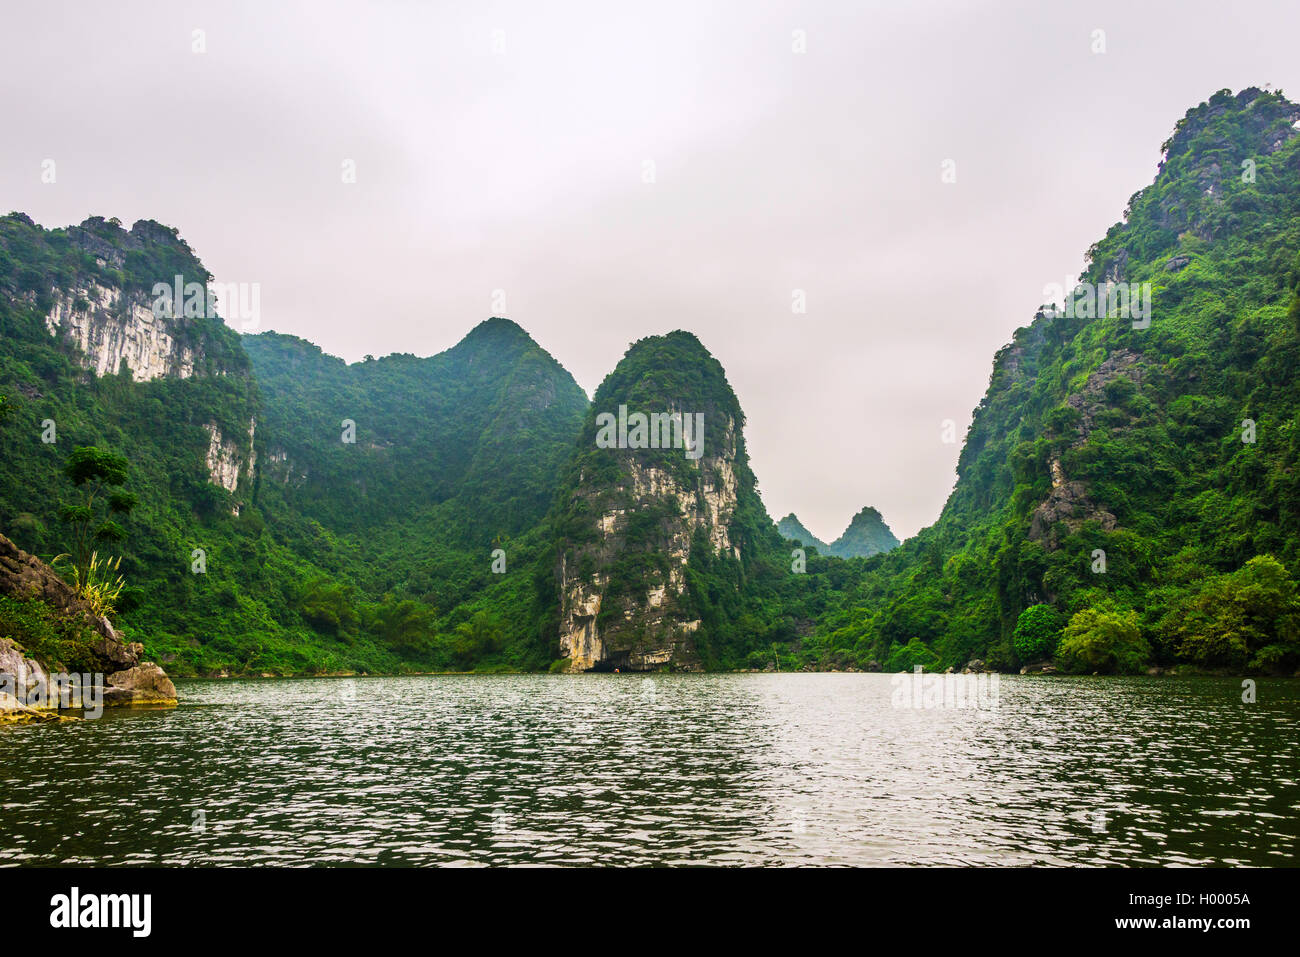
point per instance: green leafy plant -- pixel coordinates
(1037, 631)
(98, 583)
(1106, 639)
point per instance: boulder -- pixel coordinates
(143, 684)
(20, 674)
(1039, 668)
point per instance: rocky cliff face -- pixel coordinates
(110, 327)
(110, 317)
(226, 460)
(1069, 500)
(635, 518)
(650, 518)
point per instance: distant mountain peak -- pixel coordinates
(790, 527)
(866, 535)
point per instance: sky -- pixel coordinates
(601, 172)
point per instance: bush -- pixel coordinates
(1105, 639)
(1249, 618)
(907, 657)
(1037, 631)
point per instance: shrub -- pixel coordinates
(1037, 631)
(1106, 638)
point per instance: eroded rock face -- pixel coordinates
(26, 674)
(226, 461)
(110, 327)
(641, 531)
(26, 577)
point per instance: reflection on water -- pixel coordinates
(628, 769)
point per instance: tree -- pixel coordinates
(407, 626)
(1249, 618)
(100, 475)
(1106, 638)
(1037, 631)
(907, 657)
(474, 639)
(327, 607)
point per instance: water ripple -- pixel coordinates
(629, 770)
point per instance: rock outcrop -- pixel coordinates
(112, 320)
(128, 681)
(638, 513)
(111, 328)
(1068, 501)
(226, 460)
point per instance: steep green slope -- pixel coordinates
(98, 278)
(866, 535)
(1125, 474)
(261, 542)
(482, 427)
(455, 456)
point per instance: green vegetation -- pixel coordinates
(60, 642)
(335, 557)
(1249, 618)
(866, 535)
(1128, 495)
(1037, 630)
(1107, 639)
(1145, 541)
(99, 475)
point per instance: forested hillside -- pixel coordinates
(259, 540)
(1128, 495)
(1129, 490)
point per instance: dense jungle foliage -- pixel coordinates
(1180, 543)
(1128, 494)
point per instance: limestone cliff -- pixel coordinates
(227, 460)
(107, 311)
(1069, 501)
(111, 328)
(648, 501)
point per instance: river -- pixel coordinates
(726, 769)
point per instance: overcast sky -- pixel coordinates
(506, 146)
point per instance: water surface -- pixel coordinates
(693, 769)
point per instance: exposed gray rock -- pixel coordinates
(144, 684)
